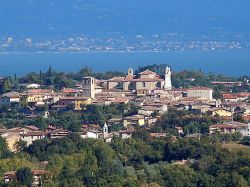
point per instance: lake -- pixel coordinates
(234, 63)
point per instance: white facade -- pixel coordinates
(33, 86)
(203, 93)
(168, 83)
(245, 131)
(105, 130)
(29, 138)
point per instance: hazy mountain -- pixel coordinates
(50, 18)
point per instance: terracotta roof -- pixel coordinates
(120, 100)
(33, 133)
(69, 90)
(40, 91)
(39, 172)
(147, 79)
(147, 72)
(228, 126)
(246, 117)
(155, 135)
(32, 127)
(74, 98)
(229, 96)
(129, 77)
(117, 79)
(10, 175)
(243, 94)
(12, 95)
(127, 131)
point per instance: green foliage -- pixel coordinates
(24, 176)
(245, 141)
(4, 151)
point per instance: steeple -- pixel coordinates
(105, 130)
(168, 83)
(130, 71)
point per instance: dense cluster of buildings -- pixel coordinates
(152, 93)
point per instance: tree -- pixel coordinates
(4, 151)
(25, 176)
(175, 176)
(20, 145)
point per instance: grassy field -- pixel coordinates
(234, 147)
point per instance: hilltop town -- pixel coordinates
(140, 103)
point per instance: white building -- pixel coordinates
(168, 83)
(200, 92)
(30, 137)
(244, 130)
(8, 98)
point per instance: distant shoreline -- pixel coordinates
(99, 52)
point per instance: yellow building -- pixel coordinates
(77, 101)
(222, 113)
(36, 96)
(134, 120)
(81, 102)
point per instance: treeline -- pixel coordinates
(71, 120)
(134, 162)
(58, 80)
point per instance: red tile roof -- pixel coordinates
(69, 90)
(147, 72)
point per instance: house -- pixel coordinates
(199, 107)
(133, 120)
(227, 84)
(200, 92)
(9, 98)
(149, 108)
(247, 109)
(115, 121)
(30, 86)
(222, 112)
(36, 97)
(231, 127)
(58, 133)
(146, 80)
(30, 137)
(37, 177)
(94, 134)
(78, 102)
(158, 135)
(228, 97)
(70, 92)
(124, 134)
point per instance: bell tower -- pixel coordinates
(131, 72)
(89, 87)
(168, 83)
(105, 130)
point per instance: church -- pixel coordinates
(146, 80)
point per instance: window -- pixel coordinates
(144, 84)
